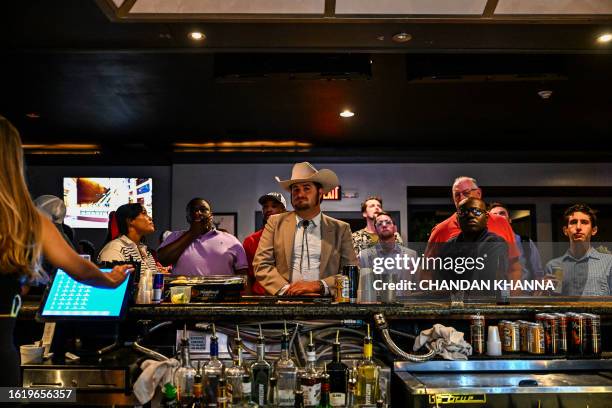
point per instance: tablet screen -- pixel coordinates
(69, 298)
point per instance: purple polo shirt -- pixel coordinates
(214, 253)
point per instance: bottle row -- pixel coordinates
(281, 384)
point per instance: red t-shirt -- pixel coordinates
(496, 224)
(250, 247)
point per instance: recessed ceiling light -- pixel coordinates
(401, 37)
(604, 38)
(197, 36)
(347, 113)
(545, 94)
(33, 115)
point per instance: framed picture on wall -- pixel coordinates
(227, 222)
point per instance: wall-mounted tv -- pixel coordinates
(89, 200)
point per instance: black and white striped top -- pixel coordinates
(124, 249)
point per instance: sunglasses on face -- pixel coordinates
(462, 212)
(384, 222)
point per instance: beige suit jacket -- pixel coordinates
(273, 259)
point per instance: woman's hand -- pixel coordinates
(118, 274)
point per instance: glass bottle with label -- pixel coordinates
(325, 400)
(222, 401)
(285, 370)
(260, 372)
(367, 375)
(338, 376)
(213, 372)
(184, 376)
(197, 387)
(235, 374)
(311, 377)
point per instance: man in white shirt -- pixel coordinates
(302, 251)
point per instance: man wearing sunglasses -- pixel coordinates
(475, 241)
(388, 247)
(466, 187)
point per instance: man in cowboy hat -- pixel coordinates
(301, 251)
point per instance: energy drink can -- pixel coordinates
(551, 332)
(512, 338)
(562, 319)
(593, 334)
(158, 287)
(577, 330)
(477, 333)
(352, 272)
(535, 339)
(523, 330)
(342, 289)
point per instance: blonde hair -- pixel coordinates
(20, 223)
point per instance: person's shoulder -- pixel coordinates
(116, 243)
(409, 252)
(226, 236)
(253, 237)
(493, 237)
(335, 222)
(358, 233)
(442, 225)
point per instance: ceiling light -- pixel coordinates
(401, 37)
(545, 94)
(604, 38)
(33, 115)
(197, 36)
(347, 113)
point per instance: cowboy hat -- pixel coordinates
(304, 172)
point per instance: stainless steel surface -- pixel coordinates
(504, 365)
(111, 380)
(483, 383)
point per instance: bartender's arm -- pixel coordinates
(169, 254)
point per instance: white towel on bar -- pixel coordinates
(154, 374)
(446, 341)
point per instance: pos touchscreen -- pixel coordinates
(67, 299)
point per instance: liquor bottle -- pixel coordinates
(272, 393)
(350, 392)
(197, 387)
(213, 372)
(367, 375)
(222, 401)
(169, 396)
(260, 372)
(285, 370)
(311, 378)
(246, 390)
(299, 399)
(325, 399)
(338, 376)
(184, 376)
(235, 374)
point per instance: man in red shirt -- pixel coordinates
(465, 187)
(271, 204)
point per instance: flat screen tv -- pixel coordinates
(89, 200)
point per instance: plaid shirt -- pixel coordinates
(590, 275)
(363, 239)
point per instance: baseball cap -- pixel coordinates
(278, 197)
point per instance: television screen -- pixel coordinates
(89, 200)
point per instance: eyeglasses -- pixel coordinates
(384, 222)
(465, 193)
(462, 212)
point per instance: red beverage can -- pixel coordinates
(577, 330)
(562, 348)
(158, 287)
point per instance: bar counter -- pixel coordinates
(421, 310)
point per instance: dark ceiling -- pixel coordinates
(138, 87)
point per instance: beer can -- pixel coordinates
(342, 289)
(562, 343)
(577, 333)
(535, 339)
(352, 272)
(158, 287)
(477, 333)
(512, 338)
(551, 331)
(593, 334)
(523, 329)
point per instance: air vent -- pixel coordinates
(257, 67)
(485, 67)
